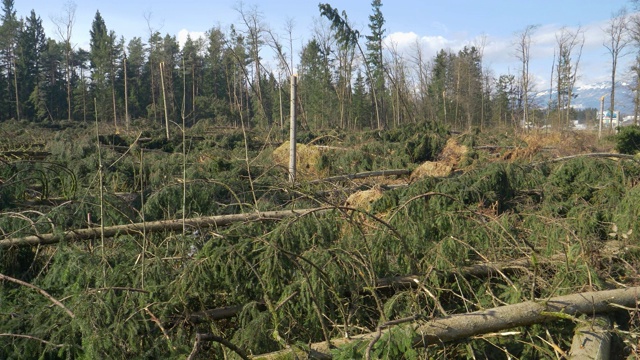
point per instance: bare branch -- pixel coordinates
(44, 293)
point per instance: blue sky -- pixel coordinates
(448, 24)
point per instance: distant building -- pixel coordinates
(607, 119)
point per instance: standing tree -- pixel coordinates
(136, 94)
(64, 29)
(80, 64)
(9, 28)
(252, 20)
(347, 38)
(375, 60)
(439, 85)
(618, 38)
(567, 70)
(100, 56)
(523, 47)
(314, 86)
(32, 45)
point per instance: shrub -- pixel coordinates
(628, 140)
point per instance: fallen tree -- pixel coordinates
(363, 175)
(163, 225)
(462, 326)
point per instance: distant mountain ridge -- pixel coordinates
(589, 97)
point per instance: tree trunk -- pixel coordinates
(462, 326)
(163, 225)
(592, 340)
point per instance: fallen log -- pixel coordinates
(363, 175)
(462, 326)
(596, 155)
(163, 225)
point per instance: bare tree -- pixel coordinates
(64, 29)
(252, 20)
(617, 39)
(567, 69)
(523, 47)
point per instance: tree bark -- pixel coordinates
(167, 225)
(592, 340)
(462, 326)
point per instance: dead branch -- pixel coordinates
(44, 293)
(33, 338)
(153, 226)
(210, 337)
(462, 326)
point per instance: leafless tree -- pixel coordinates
(567, 65)
(523, 46)
(255, 29)
(64, 29)
(617, 40)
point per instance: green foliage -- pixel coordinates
(298, 280)
(628, 139)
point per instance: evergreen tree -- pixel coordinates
(216, 100)
(362, 112)
(51, 96)
(437, 88)
(504, 100)
(314, 86)
(375, 59)
(9, 29)
(32, 45)
(100, 56)
(152, 77)
(138, 94)
(80, 62)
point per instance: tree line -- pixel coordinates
(346, 80)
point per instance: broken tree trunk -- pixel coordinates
(463, 326)
(164, 225)
(592, 340)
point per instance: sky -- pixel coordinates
(493, 25)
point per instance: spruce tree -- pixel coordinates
(9, 29)
(32, 44)
(375, 59)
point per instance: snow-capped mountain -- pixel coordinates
(588, 96)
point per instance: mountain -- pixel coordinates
(588, 96)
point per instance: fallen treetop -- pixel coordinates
(138, 228)
(463, 326)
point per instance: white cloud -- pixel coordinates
(182, 36)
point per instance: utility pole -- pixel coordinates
(601, 116)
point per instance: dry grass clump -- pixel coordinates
(431, 168)
(307, 158)
(363, 199)
(555, 144)
(453, 152)
(563, 143)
